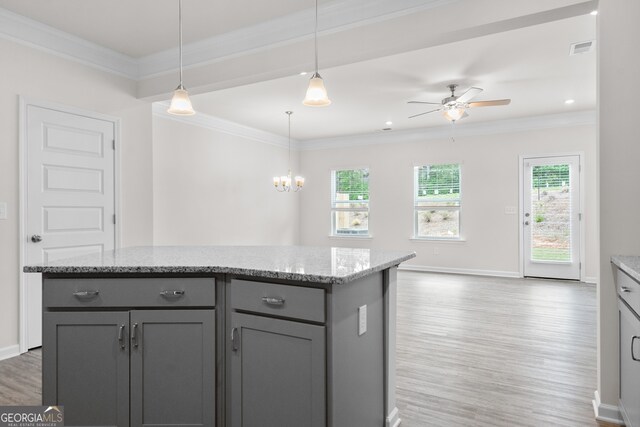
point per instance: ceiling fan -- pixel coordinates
(453, 107)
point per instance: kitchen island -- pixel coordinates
(222, 336)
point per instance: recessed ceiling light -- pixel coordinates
(389, 123)
(569, 101)
(594, 12)
(303, 73)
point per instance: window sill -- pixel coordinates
(437, 240)
(355, 236)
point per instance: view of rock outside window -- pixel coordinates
(437, 201)
(350, 202)
(550, 213)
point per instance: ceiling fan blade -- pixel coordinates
(493, 103)
(423, 102)
(471, 93)
(422, 114)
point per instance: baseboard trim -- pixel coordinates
(453, 270)
(393, 419)
(591, 280)
(607, 413)
(8, 352)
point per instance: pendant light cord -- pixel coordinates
(315, 36)
(289, 114)
(180, 26)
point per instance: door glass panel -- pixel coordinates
(551, 213)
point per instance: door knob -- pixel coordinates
(36, 238)
(526, 223)
(527, 214)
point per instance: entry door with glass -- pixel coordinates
(551, 217)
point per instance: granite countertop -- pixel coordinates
(301, 263)
(629, 264)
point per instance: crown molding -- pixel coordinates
(34, 34)
(462, 130)
(334, 17)
(296, 27)
(217, 124)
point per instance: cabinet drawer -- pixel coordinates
(278, 300)
(129, 292)
(628, 289)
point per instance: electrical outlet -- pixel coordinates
(3, 210)
(362, 320)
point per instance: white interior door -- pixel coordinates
(551, 217)
(69, 205)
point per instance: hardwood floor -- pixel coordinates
(480, 351)
(472, 351)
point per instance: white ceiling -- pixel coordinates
(530, 65)
(120, 24)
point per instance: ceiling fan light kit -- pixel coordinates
(454, 107)
(180, 102)
(316, 92)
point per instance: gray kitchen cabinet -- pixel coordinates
(153, 366)
(277, 372)
(86, 366)
(172, 368)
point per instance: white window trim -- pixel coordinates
(332, 231)
(415, 237)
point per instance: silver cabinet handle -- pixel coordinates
(273, 301)
(36, 238)
(633, 355)
(172, 294)
(86, 294)
(234, 337)
(625, 289)
(121, 336)
(134, 335)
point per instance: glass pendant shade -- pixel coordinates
(180, 103)
(316, 93)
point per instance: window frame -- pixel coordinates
(335, 208)
(417, 209)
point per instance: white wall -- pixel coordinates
(214, 188)
(41, 76)
(619, 152)
(490, 181)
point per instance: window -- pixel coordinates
(350, 202)
(437, 201)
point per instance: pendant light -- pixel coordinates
(316, 92)
(283, 183)
(180, 103)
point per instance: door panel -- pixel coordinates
(551, 220)
(87, 367)
(277, 373)
(173, 368)
(70, 195)
(629, 368)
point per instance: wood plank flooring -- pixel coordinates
(472, 351)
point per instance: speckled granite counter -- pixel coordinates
(299, 263)
(629, 264)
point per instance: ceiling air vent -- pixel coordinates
(581, 47)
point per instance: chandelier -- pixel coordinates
(284, 183)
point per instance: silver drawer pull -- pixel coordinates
(172, 294)
(633, 355)
(625, 289)
(134, 335)
(273, 301)
(121, 336)
(86, 294)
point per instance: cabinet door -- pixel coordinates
(173, 368)
(85, 362)
(277, 373)
(629, 368)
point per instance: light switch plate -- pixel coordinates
(3, 210)
(362, 320)
(510, 210)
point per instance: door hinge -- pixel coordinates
(580, 216)
(580, 265)
(579, 167)
(113, 143)
(114, 218)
